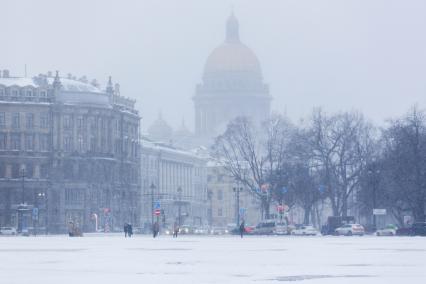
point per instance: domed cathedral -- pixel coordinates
(232, 86)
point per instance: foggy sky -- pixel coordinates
(368, 55)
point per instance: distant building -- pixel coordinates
(69, 152)
(179, 180)
(232, 86)
(222, 192)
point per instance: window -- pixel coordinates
(219, 194)
(80, 123)
(44, 120)
(29, 142)
(220, 212)
(67, 122)
(74, 196)
(1, 92)
(15, 93)
(3, 141)
(15, 140)
(80, 143)
(43, 94)
(30, 120)
(29, 93)
(2, 119)
(44, 142)
(67, 143)
(15, 120)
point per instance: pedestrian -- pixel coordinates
(129, 230)
(126, 229)
(175, 230)
(242, 229)
(155, 229)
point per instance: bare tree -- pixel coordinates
(341, 146)
(254, 155)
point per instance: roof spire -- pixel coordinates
(232, 28)
(110, 88)
(57, 81)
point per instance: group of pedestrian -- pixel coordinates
(128, 230)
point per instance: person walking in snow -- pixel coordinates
(155, 229)
(126, 229)
(129, 230)
(175, 230)
(242, 229)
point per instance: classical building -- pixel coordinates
(69, 152)
(173, 181)
(232, 86)
(228, 198)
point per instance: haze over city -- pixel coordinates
(340, 55)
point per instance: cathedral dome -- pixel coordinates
(232, 56)
(160, 130)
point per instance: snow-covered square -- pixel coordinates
(227, 259)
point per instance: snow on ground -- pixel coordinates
(229, 259)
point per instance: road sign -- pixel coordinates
(157, 212)
(284, 190)
(379, 211)
(157, 205)
(242, 211)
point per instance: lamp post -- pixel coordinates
(152, 187)
(237, 191)
(179, 190)
(373, 179)
(210, 198)
(23, 185)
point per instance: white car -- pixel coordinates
(350, 229)
(305, 231)
(8, 231)
(389, 230)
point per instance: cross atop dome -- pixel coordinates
(232, 29)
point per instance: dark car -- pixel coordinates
(334, 222)
(418, 229)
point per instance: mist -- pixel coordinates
(341, 55)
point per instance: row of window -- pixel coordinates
(14, 141)
(15, 92)
(16, 171)
(14, 120)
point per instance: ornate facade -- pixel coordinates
(69, 152)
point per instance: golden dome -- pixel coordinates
(232, 55)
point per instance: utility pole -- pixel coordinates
(152, 187)
(179, 205)
(23, 185)
(237, 191)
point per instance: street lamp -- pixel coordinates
(152, 187)
(237, 191)
(179, 190)
(210, 198)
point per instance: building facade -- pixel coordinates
(232, 86)
(69, 152)
(173, 181)
(228, 199)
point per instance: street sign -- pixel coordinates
(242, 211)
(157, 212)
(157, 205)
(284, 190)
(379, 211)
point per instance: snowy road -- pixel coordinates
(113, 259)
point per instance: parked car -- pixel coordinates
(305, 231)
(404, 231)
(418, 229)
(281, 229)
(8, 231)
(350, 229)
(265, 228)
(389, 230)
(201, 231)
(334, 222)
(219, 231)
(186, 230)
